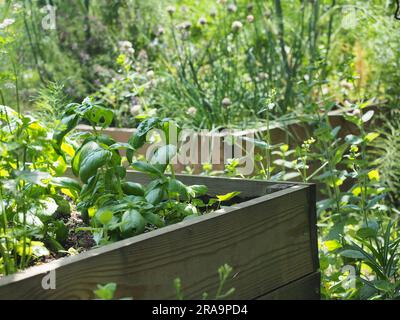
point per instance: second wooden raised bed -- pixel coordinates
(292, 132)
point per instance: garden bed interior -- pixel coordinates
(269, 240)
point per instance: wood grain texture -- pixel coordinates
(306, 288)
(266, 240)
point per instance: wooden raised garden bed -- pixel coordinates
(270, 240)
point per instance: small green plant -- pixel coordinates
(31, 189)
(49, 101)
(105, 292)
(271, 162)
(376, 256)
(224, 273)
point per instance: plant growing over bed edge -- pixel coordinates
(32, 206)
(113, 207)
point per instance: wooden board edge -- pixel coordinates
(313, 224)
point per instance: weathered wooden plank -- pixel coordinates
(265, 240)
(306, 288)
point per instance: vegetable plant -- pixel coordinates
(114, 207)
(33, 192)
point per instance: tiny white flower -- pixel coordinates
(171, 10)
(143, 55)
(250, 18)
(160, 31)
(262, 76)
(232, 8)
(150, 74)
(192, 111)
(236, 26)
(126, 47)
(226, 102)
(6, 23)
(136, 109)
(17, 6)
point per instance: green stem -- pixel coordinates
(329, 41)
(171, 166)
(3, 101)
(364, 182)
(30, 39)
(5, 253)
(16, 84)
(268, 152)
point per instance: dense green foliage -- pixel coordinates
(137, 56)
(35, 197)
(31, 185)
(117, 208)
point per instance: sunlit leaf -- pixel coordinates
(228, 196)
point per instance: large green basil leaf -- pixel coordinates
(133, 189)
(138, 139)
(176, 187)
(91, 162)
(99, 116)
(68, 123)
(104, 139)
(197, 190)
(147, 125)
(105, 215)
(154, 219)
(155, 196)
(163, 156)
(81, 153)
(147, 168)
(133, 223)
(64, 182)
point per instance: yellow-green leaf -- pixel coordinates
(371, 136)
(373, 175)
(332, 245)
(227, 196)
